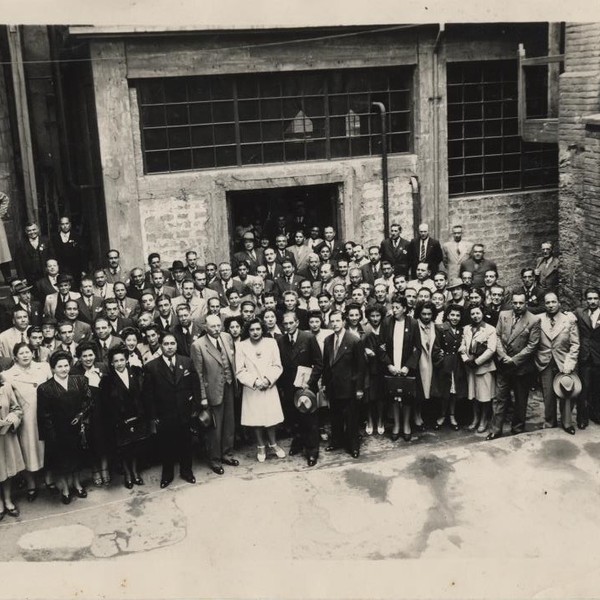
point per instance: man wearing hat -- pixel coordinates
(253, 256)
(25, 301)
(213, 356)
(55, 303)
(518, 335)
(300, 350)
(178, 272)
(557, 352)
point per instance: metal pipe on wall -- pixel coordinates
(384, 167)
(436, 131)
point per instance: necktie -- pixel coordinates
(457, 249)
(201, 294)
(36, 355)
(514, 323)
(88, 301)
(552, 322)
(336, 346)
(23, 337)
(172, 365)
(219, 347)
(422, 253)
(291, 336)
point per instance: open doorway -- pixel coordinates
(263, 210)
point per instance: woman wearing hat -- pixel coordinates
(11, 458)
(258, 366)
(477, 351)
(125, 414)
(24, 378)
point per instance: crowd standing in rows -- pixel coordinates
(301, 335)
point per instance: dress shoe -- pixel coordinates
(65, 499)
(2, 513)
(312, 461)
(355, 453)
(331, 448)
(32, 494)
(138, 480)
(420, 428)
(294, 450)
(165, 482)
(395, 436)
(230, 461)
(493, 435)
(407, 437)
(188, 476)
(128, 483)
(218, 469)
(13, 512)
(570, 430)
(437, 425)
(81, 493)
(453, 424)
(582, 425)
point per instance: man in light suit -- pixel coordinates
(17, 333)
(518, 336)
(343, 376)
(102, 288)
(557, 352)
(213, 357)
(104, 338)
(588, 402)
(82, 332)
(126, 304)
(198, 306)
(455, 251)
(300, 250)
(546, 268)
(54, 306)
(90, 306)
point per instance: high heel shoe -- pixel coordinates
(380, 429)
(438, 424)
(369, 429)
(453, 424)
(128, 483)
(407, 436)
(473, 426)
(420, 427)
(105, 473)
(138, 480)
(395, 436)
(261, 454)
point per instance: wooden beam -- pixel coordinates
(23, 123)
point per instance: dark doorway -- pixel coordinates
(259, 210)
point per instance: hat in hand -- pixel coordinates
(305, 401)
(567, 386)
(206, 418)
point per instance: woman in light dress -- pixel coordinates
(24, 377)
(11, 458)
(258, 369)
(477, 351)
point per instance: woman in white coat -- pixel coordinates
(477, 351)
(258, 368)
(424, 313)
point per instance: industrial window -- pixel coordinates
(221, 121)
(485, 152)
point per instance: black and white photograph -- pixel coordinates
(299, 300)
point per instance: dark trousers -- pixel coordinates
(507, 381)
(344, 422)
(174, 445)
(307, 435)
(546, 380)
(588, 402)
(219, 441)
(290, 412)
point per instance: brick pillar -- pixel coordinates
(579, 161)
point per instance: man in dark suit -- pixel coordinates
(90, 306)
(158, 287)
(7, 304)
(32, 307)
(171, 392)
(424, 249)
(588, 402)
(336, 248)
(82, 332)
(299, 349)
(546, 268)
(371, 272)
(214, 360)
(32, 253)
(343, 375)
(399, 354)
(186, 332)
(224, 282)
(478, 265)
(394, 249)
(311, 271)
(281, 243)
(117, 322)
(154, 264)
(289, 281)
(48, 284)
(137, 284)
(104, 338)
(534, 294)
(69, 250)
(518, 335)
(273, 267)
(252, 255)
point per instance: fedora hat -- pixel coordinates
(454, 283)
(207, 418)
(567, 385)
(21, 287)
(248, 236)
(177, 266)
(305, 401)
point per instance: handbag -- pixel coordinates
(400, 386)
(135, 429)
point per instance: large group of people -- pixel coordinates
(301, 335)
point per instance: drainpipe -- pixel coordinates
(436, 99)
(384, 166)
(415, 190)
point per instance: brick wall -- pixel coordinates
(579, 161)
(511, 226)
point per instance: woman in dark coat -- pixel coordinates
(64, 402)
(374, 389)
(449, 375)
(126, 418)
(94, 370)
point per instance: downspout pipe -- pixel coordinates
(436, 99)
(384, 166)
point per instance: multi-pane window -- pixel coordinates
(235, 120)
(485, 152)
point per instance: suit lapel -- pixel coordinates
(551, 332)
(342, 349)
(210, 348)
(519, 326)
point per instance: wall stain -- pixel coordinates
(376, 486)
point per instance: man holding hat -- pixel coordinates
(302, 366)
(253, 256)
(557, 354)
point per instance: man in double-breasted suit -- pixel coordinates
(213, 356)
(394, 249)
(557, 352)
(518, 336)
(299, 349)
(171, 391)
(343, 376)
(588, 402)
(32, 253)
(455, 251)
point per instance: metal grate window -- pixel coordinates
(220, 121)
(485, 152)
